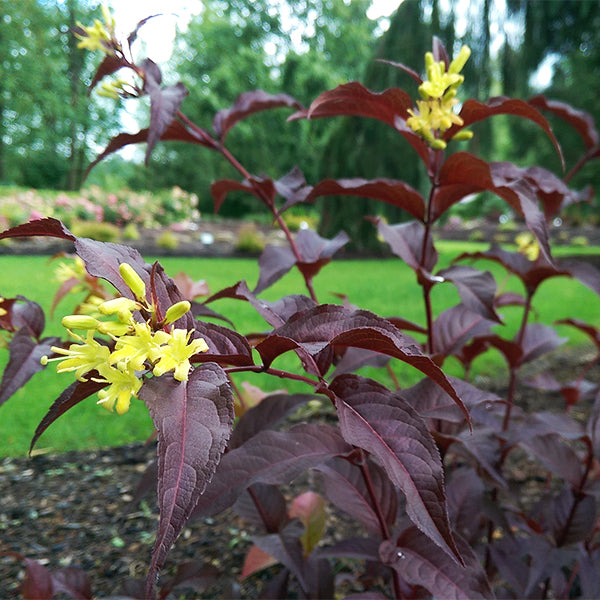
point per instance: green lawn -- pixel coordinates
(386, 287)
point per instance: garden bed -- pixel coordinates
(78, 509)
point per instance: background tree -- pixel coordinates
(46, 118)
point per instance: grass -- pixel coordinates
(386, 287)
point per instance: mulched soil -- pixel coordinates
(77, 509)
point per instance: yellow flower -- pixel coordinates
(435, 114)
(176, 353)
(135, 349)
(123, 385)
(97, 36)
(3, 311)
(82, 358)
(133, 281)
(90, 305)
(76, 270)
(528, 245)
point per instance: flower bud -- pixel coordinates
(459, 62)
(115, 329)
(463, 135)
(177, 311)
(119, 305)
(80, 322)
(133, 280)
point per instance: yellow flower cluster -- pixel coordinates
(528, 245)
(99, 35)
(435, 113)
(139, 345)
(113, 89)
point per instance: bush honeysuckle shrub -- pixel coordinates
(425, 470)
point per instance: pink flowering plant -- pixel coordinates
(424, 470)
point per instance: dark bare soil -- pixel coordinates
(77, 509)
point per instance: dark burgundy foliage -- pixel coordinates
(418, 562)
(193, 429)
(396, 193)
(248, 104)
(431, 473)
(580, 120)
(380, 422)
(270, 457)
(164, 102)
(73, 395)
(313, 253)
(109, 65)
(473, 111)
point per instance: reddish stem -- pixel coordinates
(383, 526)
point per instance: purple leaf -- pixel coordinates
(274, 313)
(28, 317)
(330, 325)
(316, 251)
(274, 263)
(47, 227)
(592, 332)
(454, 327)
(175, 131)
(164, 103)
(406, 241)
(473, 111)
(402, 67)
(263, 506)
(200, 311)
(568, 519)
(225, 346)
(373, 418)
(37, 583)
(396, 193)
(418, 561)
(556, 456)
(463, 174)
(481, 447)
(589, 574)
(582, 121)
(269, 457)
(538, 340)
(193, 575)
(345, 487)
(24, 358)
(552, 192)
(464, 493)
(74, 582)
(267, 414)
(432, 402)
(71, 396)
(354, 100)
(286, 548)
(248, 104)
(356, 358)
(584, 272)
(477, 289)
(109, 65)
(262, 188)
(133, 35)
(532, 274)
(290, 184)
(193, 419)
